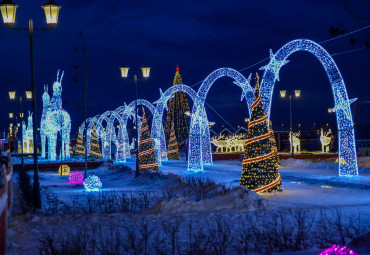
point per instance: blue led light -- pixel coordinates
(54, 120)
(157, 132)
(346, 136)
(92, 183)
(199, 136)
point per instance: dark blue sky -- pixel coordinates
(199, 36)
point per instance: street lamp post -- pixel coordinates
(297, 94)
(21, 114)
(8, 12)
(124, 73)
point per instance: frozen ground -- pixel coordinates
(312, 187)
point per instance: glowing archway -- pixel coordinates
(199, 137)
(346, 136)
(157, 127)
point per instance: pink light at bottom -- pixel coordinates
(338, 250)
(75, 177)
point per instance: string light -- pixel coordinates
(338, 250)
(173, 151)
(147, 157)
(64, 170)
(260, 164)
(54, 120)
(75, 177)
(232, 143)
(92, 183)
(157, 132)
(200, 152)
(325, 139)
(295, 145)
(346, 136)
(27, 132)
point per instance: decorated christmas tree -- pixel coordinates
(80, 149)
(173, 151)
(260, 168)
(71, 152)
(178, 106)
(94, 145)
(273, 144)
(147, 158)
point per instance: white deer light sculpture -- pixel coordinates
(233, 143)
(28, 134)
(55, 120)
(325, 139)
(222, 144)
(296, 144)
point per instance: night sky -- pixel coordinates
(199, 36)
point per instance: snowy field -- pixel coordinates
(314, 195)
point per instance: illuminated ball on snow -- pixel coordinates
(92, 183)
(338, 250)
(64, 170)
(75, 177)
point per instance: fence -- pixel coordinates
(6, 198)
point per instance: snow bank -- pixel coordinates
(300, 163)
(235, 199)
(364, 162)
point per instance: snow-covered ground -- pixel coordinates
(314, 187)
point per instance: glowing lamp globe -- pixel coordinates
(297, 93)
(28, 93)
(64, 170)
(8, 10)
(282, 93)
(75, 177)
(146, 71)
(11, 115)
(51, 9)
(124, 71)
(92, 183)
(12, 94)
(338, 250)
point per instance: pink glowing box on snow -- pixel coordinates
(75, 177)
(338, 250)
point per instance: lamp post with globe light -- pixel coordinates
(124, 74)
(8, 11)
(297, 94)
(12, 96)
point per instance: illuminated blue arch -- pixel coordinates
(157, 132)
(199, 137)
(107, 134)
(346, 136)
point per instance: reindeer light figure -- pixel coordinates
(237, 142)
(55, 120)
(296, 144)
(325, 139)
(223, 145)
(28, 134)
